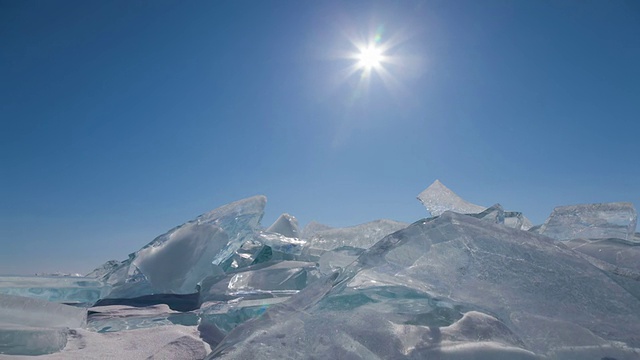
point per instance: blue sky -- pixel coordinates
(121, 119)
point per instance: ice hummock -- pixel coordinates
(409, 295)
(176, 261)
(592, 221)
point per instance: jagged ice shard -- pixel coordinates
(438, 198)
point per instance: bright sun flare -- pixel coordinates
(369, 58)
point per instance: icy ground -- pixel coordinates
(469, 282)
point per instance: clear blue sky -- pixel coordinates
(122, 119)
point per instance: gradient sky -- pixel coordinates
(122, 119)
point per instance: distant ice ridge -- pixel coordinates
(438, 198)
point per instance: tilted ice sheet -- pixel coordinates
(176, 261)
(61, 289)
(401, 296)
(596, 221)
(438, 198)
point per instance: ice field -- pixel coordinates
(468, 282)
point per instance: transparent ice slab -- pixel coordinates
(81, 291)
(176, 261)
(592, 221)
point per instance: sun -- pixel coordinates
(370, 58)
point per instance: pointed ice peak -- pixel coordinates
(438, 198)
(286, 225)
